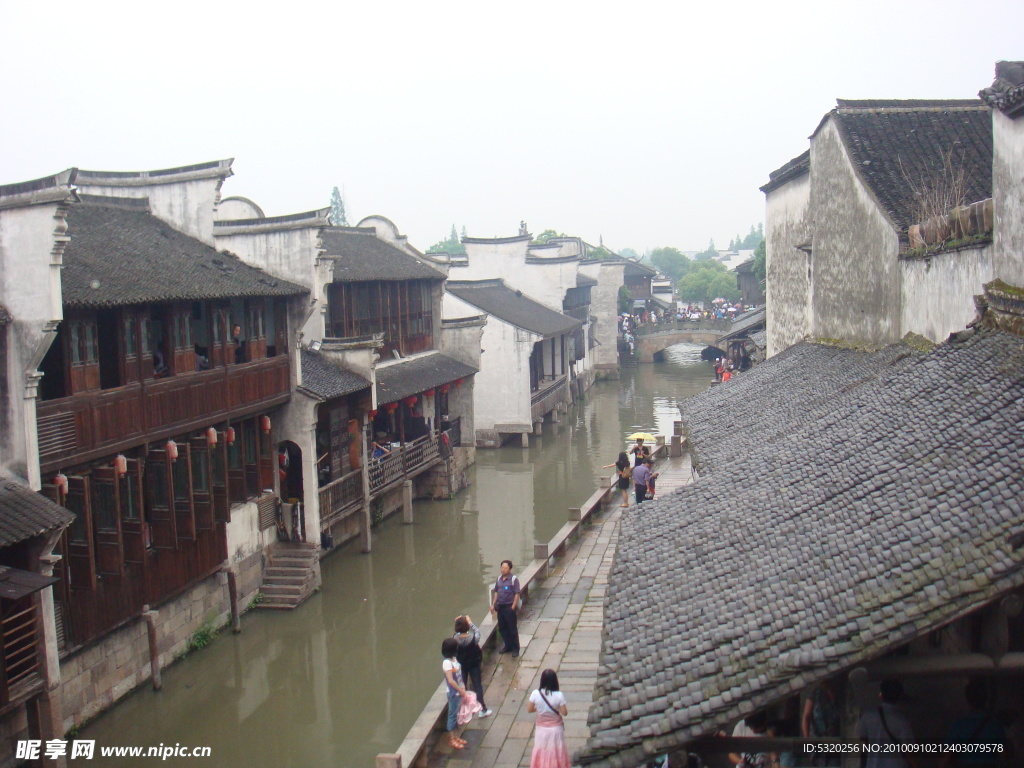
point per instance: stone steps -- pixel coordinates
(291, 575)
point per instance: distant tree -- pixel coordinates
(761, 263)
(708, 284)
(670, 261)
(710, 253)
(625, 301)
(751, 241)
(629, 253)
(546, 235)
(452, 245)
(599, 252)
(338, 209)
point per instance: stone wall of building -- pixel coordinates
(447, 478)
(94, 677)
(1008, 194)
(787, 226)
(938, 291)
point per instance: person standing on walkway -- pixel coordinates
(504, 602)
(641, 474)
(549, 750)
(640, 452)
(624, 471)
(453, 677)
(886, 724)
(470, 657)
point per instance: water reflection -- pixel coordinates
(344, 677)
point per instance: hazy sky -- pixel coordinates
(647, 123)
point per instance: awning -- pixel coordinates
(16, 584)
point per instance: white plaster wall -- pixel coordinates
(1008, 197)
(188, 206)
(787, 225)
(546, 282)
(502, 388)
(297, 423)
(243, 532)
(855, 274)
(490, 260)
(604, 303)
(30, 289)
(938, 293)
(233, 208)
(291, 254)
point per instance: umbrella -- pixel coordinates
(646, 436)
(719, 300)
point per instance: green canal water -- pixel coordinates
(344, 676)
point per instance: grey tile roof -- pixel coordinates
(514, 307)
(760, 338)
(880, 517)
(360, 256)
(745, 322)
(418, 374)
(131, 256)
(795, 168)
(898, 146)
(1007, 91)
(25, 513)
(326, 380)
(584, 280)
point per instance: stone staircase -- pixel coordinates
(291, 575)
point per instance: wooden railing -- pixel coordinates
(19, 658)
(543, 400)
(454, 432)
(340, 497)
(93, 424)
(403, 462)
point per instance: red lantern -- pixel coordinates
(390, 407)
(211, 437)
(229, 435)
(61, 481)
(265, 424)
(458, 382)
(445, 388)
(429, 393)
(372, 413)
(120, 465)
(172, 450)
(410, 401)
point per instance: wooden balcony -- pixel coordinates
(548, 396)
(403, 463)
(340, 498)
(94, 424)
(19, 652)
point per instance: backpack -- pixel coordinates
(469, 655)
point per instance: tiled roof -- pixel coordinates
(897, 147)
(119, 253)
(1007, 91)
(634, 268)
(878, 518)
(360, 256)
(497, 299)
(742, 324)
(25, 513)
(326, 380)
(584, 280)
(760, 339)
(418, 374)
(795, 168)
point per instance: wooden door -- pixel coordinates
(219, 333)
(81, 560)
(130, 354)
(219, 481)
(134, 529)
(106, 515)
(181, 335)
(82, 354)
(161, 501)
(202, 482)
(184, 507)
(257, 331)
(236, 466)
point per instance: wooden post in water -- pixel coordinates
(150, 618)
(236, 616)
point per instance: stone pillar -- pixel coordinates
(524, 440)
(46, 711)
(538, 427)
(150, 618)
(365, 535)
(676, 448)
(407, 502)
(556, 415)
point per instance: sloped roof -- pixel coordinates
(883, 517)
(131, 256)
(25, 513)
(326, 380)
(745, 322)
(584, 280)
(1007, 91)
(360, 256)
(794, 169)
(514, 307)
(900, 146)
(418, 374)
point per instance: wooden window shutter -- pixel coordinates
(161, 501)
(201, 456)
(81, 560)
(219, 481)
(106, 508)
(134, 527)
(184, 507)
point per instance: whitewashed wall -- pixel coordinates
(1008, 196)
(788, 289)
(938, 293)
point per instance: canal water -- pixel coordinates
(344, 676)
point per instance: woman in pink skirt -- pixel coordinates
(549, 750)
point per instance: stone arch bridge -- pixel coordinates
(653, 340)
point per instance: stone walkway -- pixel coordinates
(560, 628)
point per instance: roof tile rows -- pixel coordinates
(861, 500)
(119, 254)
(418, 374)
(514, 307)
(360, 256)
(25, 513)
(326, 380)
(902, 146)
